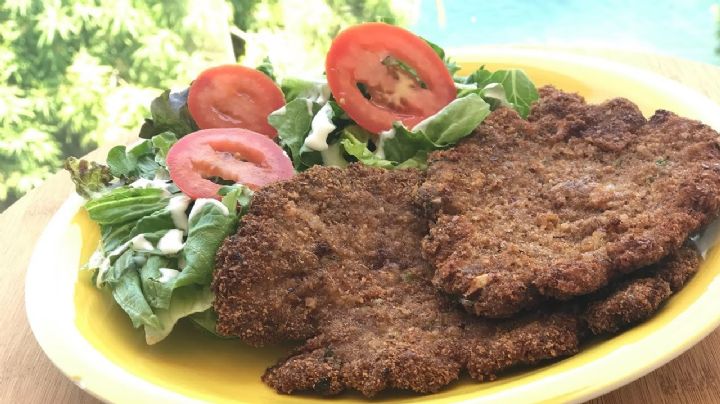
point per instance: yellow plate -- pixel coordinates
(88, 337)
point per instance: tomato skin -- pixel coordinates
(356, 56)
(234, 96)
(215, 153)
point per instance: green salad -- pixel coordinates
(165, 204)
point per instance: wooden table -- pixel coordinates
(27, 376)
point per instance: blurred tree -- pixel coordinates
(295, 34)
(77, 73)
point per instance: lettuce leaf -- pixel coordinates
(293, 123)
(405, 148)
(127, 291)
(267, 68)
(157, 288)
(355, 140)
(169, 114)
(207, 320)
(449, 63)
(114, 235)
(313, 90)
(146, 159)
(519, 91)
(455, 121)
(126, 204)
(156, 292)
(185, 301)
(207, 230)
(236, 196)
(161, 146)
(90, 178)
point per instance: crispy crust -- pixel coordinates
(634, 300)
(333, 258)
(562, 204)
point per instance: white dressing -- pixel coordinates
(320, 128)
(318, 91)
(309, 105)
(146, 183)
(324, 94)
(279, 112)
(139, 243)
(177, 207)
(382, 137)
(171, 243)
(167, 274)
(199, 203)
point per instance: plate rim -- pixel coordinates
(61, 219)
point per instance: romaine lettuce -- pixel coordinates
(519, 91)
(407, 148)
(154, 284)
(293, 124)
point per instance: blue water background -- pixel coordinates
(681, 28)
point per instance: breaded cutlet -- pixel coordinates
(561, 204)
(332, 259)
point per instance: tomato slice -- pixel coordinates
(235, 154)
(233, 96)
(377, 56)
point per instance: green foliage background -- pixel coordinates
(76, 74)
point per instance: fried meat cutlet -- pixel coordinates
(332, 259)
(560, 205)
(633, 300)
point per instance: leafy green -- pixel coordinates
(455, 121)
(267, 69)
(207, 228)
(408, 148)
(314, 90)
(355, 142)
(137, 162)
(127, 291)
(156, 293)
(449, 63)
(207, 320)
(115, 235)
(293, 123)
(156, 290)
(145, 159)
(235, 196)
(122, 263)
(169, 114)
(126, 204)
(185, 301)
(402, 68)
(162, 144)
(158, 221)
(520, 92)
(90, 178)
